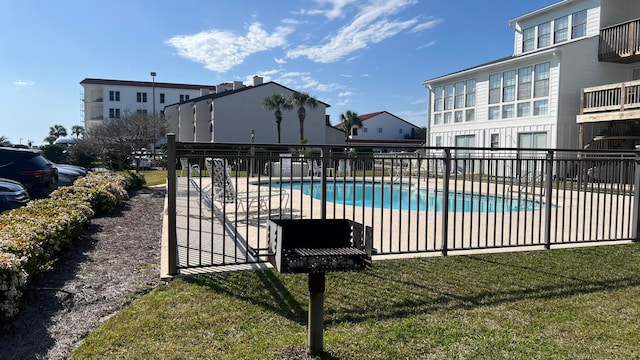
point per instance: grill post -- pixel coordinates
(316, 312)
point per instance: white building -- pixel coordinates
(234, 112)
(381, 127)
(104, 98)
(540, 97)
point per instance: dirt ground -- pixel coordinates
(117, 256)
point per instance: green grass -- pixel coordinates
(559, 304)
(155, 177)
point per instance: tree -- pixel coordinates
(118, 139)
(57, 131)
(349, 119)
(302, 99)
(4, 141)
(77, 131)
(50, 139)
(277, 103)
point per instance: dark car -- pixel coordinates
(67, 174)
(12, 195)
(31, 169)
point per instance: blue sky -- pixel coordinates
(364, 56)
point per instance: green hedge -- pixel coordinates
(31, 236)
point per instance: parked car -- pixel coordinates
(145, 163)
(67, 174)
(31, 169)
(12, 195)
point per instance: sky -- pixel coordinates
(359, 55)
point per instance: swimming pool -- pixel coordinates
(404, 196)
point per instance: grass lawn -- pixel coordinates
(155, 177)
(560, 304)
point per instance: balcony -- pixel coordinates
(610, 102)
(620, 43)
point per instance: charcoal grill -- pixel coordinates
(317, 246)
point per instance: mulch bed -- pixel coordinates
(118, 256)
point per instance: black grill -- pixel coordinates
(319, 245)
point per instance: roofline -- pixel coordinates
(93, 81)
(504, 60)
(539, 11)
(231, 92)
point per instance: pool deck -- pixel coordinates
(220, 235)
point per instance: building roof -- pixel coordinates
(364, 117)
(92, 81)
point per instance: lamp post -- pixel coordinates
(153, 112)
(253, 153)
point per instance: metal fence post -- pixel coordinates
(548, 196)
(171, 205)
(636, 198)
(445, 201)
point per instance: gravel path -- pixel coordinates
(118, 256)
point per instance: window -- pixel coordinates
(507, 111)
(379, 130)
(579, 24)
(438, 140)
(364, 130)
(524, 83)
(494, 89)
(495, 140)
(114, 95)
(448, 97)
(524, 109)
(184, 97)
(437, 119)
(142, 112)
(459, 97)
(141, 97)
(161, 112)
(161, 98)
(528, 39)
(509, 85)
(447, 117)
(114, 113)
(457, 116)
(438, 104)
(541, 85)
(470, 115)
(635, 74)
(544, 34)
(471, 93)
(541, 107)
(354, 131)
(494, 112)
(400, 130)
(561, 29)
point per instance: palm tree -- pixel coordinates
(57, 131)
(277, 103)
(4, 141)
(349, 119)
(302, 99)
(77, 131)
(50, 139)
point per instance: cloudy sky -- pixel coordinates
(364, 56)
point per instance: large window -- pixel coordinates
(528, 39)
(454, 102)
(579, 24)
(448, 97)
(541, 85)
(544, 34)
(494, 88)
(459, 97)
(438, 104)
(561, 29)
(471, 93)
(509, 86)
(141, 97)
(114, 113)
(524, 83)
(114, 95)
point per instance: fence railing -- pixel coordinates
(620, 43)
(611, 97)
(418, 202)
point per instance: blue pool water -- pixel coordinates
(407, 197)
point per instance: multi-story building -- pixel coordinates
(570, 79)
(104, 98)
(234, 113)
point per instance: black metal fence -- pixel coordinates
(418, 201)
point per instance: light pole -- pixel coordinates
(153, 111)
(253, 153)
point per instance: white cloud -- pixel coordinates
(336, 8)
(345, 93)
(371, 25)
(280, 61)
(303, 80)
(221, 50)
(23, 83)
(426, 45)
(427, 25)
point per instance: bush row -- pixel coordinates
(31, 236)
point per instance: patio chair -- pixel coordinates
(223, 191)
(314, 168)
(344, 167)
